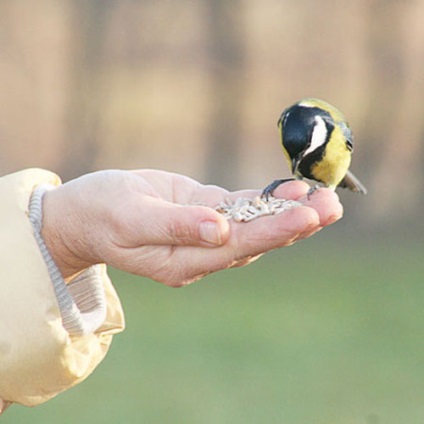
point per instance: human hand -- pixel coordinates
(3, 405)
(162, 225)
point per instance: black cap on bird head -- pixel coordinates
(297, 125)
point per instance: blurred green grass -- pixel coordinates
(327, 331)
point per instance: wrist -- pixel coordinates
(62, 237)
(82, 302)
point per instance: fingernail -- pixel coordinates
(210, 232)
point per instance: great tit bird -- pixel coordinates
(317, 143)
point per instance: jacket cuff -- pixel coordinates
(39, 358)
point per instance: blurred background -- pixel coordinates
(328, 331)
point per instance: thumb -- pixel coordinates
(166, 223)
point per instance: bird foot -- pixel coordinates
(312, 190)
(270, 188)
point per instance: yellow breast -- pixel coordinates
(335, 162)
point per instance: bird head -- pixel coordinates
(306, 127)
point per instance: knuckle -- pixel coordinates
(181, 232)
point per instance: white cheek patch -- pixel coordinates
(319, 135)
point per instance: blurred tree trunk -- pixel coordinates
(89, 21)
(400, 168)
(226, 58)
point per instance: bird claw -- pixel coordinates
(311, 191)
(268, 191)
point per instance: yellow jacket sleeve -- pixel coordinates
(39, 358)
